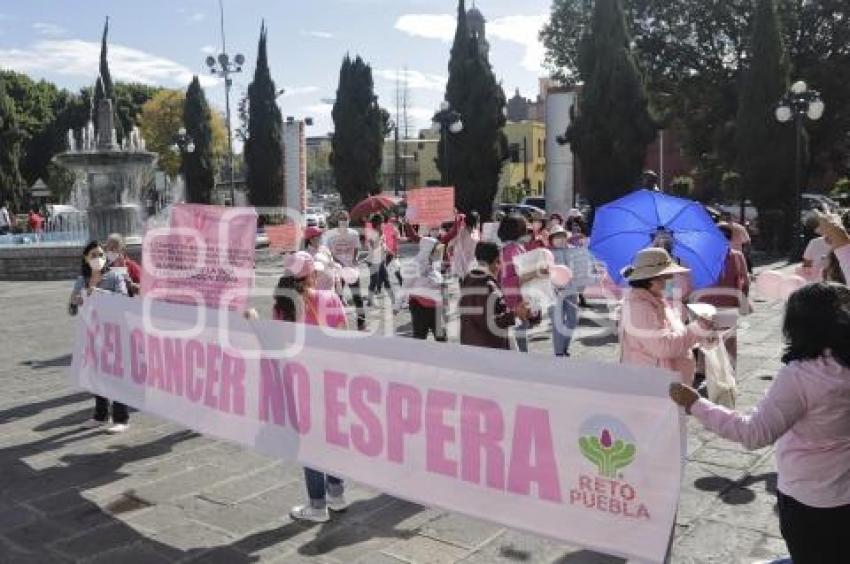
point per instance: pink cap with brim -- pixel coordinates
(299, 265)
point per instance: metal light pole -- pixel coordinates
(797, 104)
(225, 68)
(448, 121)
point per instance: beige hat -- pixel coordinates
(557, 230)
(652, 263)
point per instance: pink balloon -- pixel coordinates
(769, 284)
(791, 284)
(560, 275)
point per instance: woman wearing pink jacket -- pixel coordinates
(806, 412)
(652, 332)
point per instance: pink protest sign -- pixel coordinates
(431, 207)
(286, 237)
(206, 257)
(584, 452)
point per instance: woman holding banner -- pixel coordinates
(806, 412)
(95, 276)
(298, 301)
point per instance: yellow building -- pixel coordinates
(525, 172)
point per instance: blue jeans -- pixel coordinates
(564, 318)
(320, 485)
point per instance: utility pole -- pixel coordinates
(405, 123)
(396, 158)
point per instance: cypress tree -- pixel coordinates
(765, 146)
(107, 88)
(611, 129)
(11, 182)
(358, 139)
(264, 146)
(197, 166)
(473, 159)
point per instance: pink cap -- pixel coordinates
(312, 232)
(300, 264)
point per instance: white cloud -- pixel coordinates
(74, 57)
(44, 28)
(197, 17)
(415, 80)
(429, 26)
(525, 31)
(299, 90)
(209, 49)
(520, 29)
(318, 34)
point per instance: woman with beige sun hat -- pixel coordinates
(651, 330)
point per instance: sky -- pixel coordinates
(165, 42)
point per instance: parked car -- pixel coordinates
(315, 217)
(522, 209)
(535, 201)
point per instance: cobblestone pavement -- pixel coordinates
(160, 493)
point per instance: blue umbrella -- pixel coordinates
(625, 226)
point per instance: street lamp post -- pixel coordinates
(799, 103)
(224, 69)
(182, 143)
(447, 121)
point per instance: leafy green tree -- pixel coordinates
(11, 182)
(264, 146)
(473, 158)
(692, 52)
(612, 127)
(766, 147)
(198, 165)
(359, 128)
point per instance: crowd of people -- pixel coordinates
(806, 412)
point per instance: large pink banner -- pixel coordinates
(586, 453)
(205, 257)
(431, 207)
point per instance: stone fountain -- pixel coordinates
(110, 177)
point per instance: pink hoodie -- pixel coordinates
(652, 334)
(806, 412)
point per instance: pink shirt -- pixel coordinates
(652, 334)
(807, 413)
(322, 308)
(510, 281)
(390, 238)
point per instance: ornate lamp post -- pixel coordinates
(447, 121)
(799, 103)
(224, 67)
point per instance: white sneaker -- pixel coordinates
(310, 513)
(337, 504)
(94, 424)
(118, 428)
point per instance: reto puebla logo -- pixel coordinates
(609, 455)
(609, 445)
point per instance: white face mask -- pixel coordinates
(97, 264)
(670, 288)
(525, 239)
(559, 243)
(343, 225)
(112, 256)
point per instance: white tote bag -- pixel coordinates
(719, 375)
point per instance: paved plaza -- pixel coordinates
(160, 493)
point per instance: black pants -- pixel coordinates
(379, 279)
(390, 259)
(426, 320)
(101, 410)
(814, 535)
(320, 485)
(357, 298)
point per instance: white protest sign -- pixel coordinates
(586, 453)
